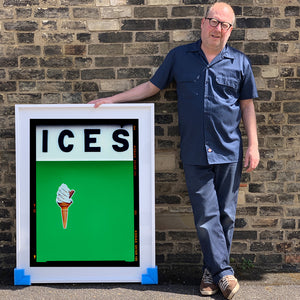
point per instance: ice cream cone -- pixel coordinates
(64, 212)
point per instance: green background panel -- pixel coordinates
(101, 218)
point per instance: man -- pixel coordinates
(215, 88)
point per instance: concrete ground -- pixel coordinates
(280, 286)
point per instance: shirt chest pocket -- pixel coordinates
(227, 87)
(228, 82)
(188, 86)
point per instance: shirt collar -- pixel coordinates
(225, 53)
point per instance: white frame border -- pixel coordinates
(24, 274)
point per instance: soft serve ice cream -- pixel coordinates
(64, 200)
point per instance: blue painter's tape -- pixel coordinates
(151, 277)
(20, 278)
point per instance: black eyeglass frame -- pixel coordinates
(219, 22)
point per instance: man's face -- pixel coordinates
(215, 38)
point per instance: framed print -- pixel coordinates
(85, 193)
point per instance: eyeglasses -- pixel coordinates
(214, 23)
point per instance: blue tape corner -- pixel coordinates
(151, 277)
(20, 278)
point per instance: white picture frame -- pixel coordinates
(145, 272)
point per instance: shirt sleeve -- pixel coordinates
(164, 74)
(248, 89)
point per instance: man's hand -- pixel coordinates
(100, 101)
(251, 159)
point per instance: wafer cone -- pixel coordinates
(64, 212)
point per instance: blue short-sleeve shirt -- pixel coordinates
(209, 96)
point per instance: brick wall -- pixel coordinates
(72, 51)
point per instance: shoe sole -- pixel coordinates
(234, 291)
(208, 293)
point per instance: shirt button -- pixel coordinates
(209, 150)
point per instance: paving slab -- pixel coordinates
(268, 287)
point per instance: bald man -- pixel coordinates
(215, 89)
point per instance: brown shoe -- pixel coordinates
(229, 286)
(207, 286)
